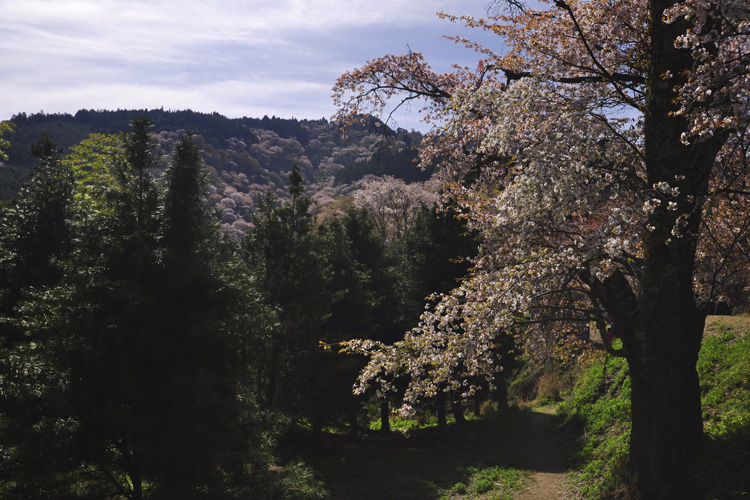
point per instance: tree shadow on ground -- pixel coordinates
(424, 466)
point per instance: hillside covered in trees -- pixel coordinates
(244, 156)
(147, 351)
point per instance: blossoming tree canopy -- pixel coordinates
(603, 153)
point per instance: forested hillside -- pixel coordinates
(143, 354)
(244, 156)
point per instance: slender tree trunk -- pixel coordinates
(458, 409)
(353, 418)
(441, 415)
(385, 415)
(501, 394)
(137, 487)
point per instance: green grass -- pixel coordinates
(597, 423)
(723, 471)
(475, 461)
(597, 418)
(497, 483)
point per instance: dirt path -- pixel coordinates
(537, 452)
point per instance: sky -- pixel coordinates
(238, 58)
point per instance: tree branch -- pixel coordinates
(613, 77)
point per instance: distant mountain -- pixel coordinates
(244, 156)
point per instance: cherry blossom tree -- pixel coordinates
(603, 154)
(393, 204)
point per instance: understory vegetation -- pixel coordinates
(596, 418)
(475, 460)
(481, 459)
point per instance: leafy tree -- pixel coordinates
(362, 288)
(137, 384)
(282, 253)
(37, 232)
(570, 194)
(35, 241)
(436, 255)
(5, 127)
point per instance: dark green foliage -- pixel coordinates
(283, 252)
(36, 231)
(360, 286)
(400, 164)
(188, 224)
(5, 127)
(133, 376)
(436, 253)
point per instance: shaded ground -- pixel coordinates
(425, 466)
(539, 453)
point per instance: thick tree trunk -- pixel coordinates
(661, 330)
(666, 411)
(659, 320)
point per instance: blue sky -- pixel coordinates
(239, 58)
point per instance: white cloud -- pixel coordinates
(235, 57)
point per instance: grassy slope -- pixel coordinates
(597, 416)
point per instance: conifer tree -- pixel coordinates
(283, 253)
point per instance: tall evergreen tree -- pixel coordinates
(283, 252)
(36, 228)
(135, 384)
(35, 241)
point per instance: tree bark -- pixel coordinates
(658, 319)
(501, 393)
(458, 409)
(441, 414)
(385, 414)
(353, 417)
(667, 423)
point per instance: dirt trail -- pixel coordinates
(537, 452)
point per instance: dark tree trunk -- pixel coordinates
(458, 409)
(501, 393)
(385, 417)
(441, 414)
(353, 418)
(659, 321)
(667, 424)
(137, 488)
